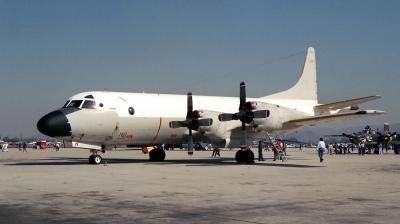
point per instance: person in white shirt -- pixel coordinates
(321, 149)
(4, 148)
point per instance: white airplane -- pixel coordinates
(97, 120)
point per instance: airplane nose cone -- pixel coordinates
(54, 124)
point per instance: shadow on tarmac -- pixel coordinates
(62, 161)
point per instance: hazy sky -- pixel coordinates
(51, 50)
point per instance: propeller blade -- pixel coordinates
(190, 143)
(176, 124)
(393, 134)
(242, 105)
(206, 122)
(261, 113)
(344, 134)
(225, 117)
(379, 134)
(189, 106)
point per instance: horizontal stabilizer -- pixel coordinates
(323, 119)
(346, 103)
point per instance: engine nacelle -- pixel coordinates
(251, 105)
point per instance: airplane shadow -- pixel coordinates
(220, 161)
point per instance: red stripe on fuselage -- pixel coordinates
(159, 127)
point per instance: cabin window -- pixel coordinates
(65, 105)
(131, 111)
(89, 104)
(75, 103)
(89, 97)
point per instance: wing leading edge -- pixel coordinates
(323, 119)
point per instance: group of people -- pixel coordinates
(281, 146)
(339, 148)
(342, 148)
(20, 146)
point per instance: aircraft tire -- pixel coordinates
(249, 156)
(91, 159)
(160, 155)
(239, 156)
(97, 159)
(151, 154)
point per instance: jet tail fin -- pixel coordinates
(306, 87)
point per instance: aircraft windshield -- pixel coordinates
(65, 105)
(75, 103)
(89, 104)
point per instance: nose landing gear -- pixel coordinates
(94, 158)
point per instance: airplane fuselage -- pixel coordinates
(143, 119)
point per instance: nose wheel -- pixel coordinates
(95, 159)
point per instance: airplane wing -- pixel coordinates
(323, 119)
(346, 103)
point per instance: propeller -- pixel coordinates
(387, 137)
(192, 122)
(245, 115)
(352, 137)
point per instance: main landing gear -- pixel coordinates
(244, 156)
(157, 155)
(94, 158)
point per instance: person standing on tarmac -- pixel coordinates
(321, 149)
(284, 147)
(24, 147)
(216, 152)
(260, 155)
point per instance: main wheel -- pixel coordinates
(249, 156)
(239, 156)
(152, 154)
(160, 155)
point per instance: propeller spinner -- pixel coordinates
(192, 122)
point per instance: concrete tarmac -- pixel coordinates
(44, 186)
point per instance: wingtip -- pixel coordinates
(370, 112)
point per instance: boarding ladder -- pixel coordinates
(273, 140)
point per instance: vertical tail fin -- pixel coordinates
(306, 87)
(386, 126)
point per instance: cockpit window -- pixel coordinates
(89, 104)
(89, 97)
(65, 105)
(75, 103)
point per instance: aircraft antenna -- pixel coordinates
(231, 73)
